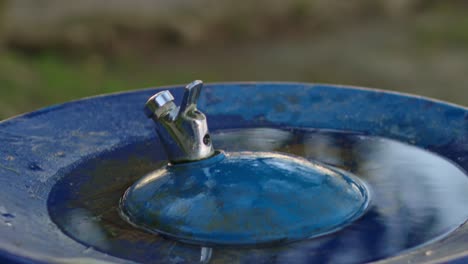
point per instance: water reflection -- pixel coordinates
(258, 139)
(205, 255)
(83, 221)
(417, 196)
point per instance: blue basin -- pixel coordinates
(48, 156)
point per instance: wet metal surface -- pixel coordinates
(412, 204)
(40, 147)
(245, 198)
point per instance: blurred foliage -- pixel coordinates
(118, 25)
(54, 51)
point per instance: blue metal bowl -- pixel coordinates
(39, 148)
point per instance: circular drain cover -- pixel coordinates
(245, 198)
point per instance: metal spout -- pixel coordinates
(182, 130)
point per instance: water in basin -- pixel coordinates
(417, 197)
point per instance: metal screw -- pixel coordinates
(207, 139)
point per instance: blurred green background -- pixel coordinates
(53, 51)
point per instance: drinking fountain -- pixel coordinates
(236, 173)
(208, 197)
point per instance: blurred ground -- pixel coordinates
(54, 51)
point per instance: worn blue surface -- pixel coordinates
(245, 198)
(37, 146)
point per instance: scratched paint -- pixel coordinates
(86, 129)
